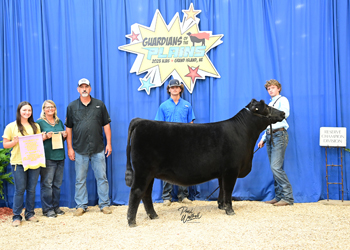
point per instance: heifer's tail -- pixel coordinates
(129, 173)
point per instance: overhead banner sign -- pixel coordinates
(32, 151)
(178, 49)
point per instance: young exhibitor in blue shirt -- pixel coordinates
(175, 109)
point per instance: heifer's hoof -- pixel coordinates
(153, 216)
(132, 223)
(230, 212)
(221, 206)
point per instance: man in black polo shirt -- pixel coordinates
(85, 118)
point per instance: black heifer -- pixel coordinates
(189, 154)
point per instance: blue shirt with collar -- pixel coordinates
(281, 103)
(168, 111)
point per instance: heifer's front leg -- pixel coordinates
(220, 198)
(147, 202)
(229, 182)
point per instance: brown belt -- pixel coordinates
(274, 131)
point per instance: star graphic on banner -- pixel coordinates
(193, 73)
(191, 13)
(146, 85)
(159, 57)
(134, 36)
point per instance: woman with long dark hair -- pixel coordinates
(24, 180)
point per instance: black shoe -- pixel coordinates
(51, 214)
(58, 211)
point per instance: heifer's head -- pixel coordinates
(263, 110)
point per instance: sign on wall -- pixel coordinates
(332, 137)
(178, 49)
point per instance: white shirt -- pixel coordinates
(281, 103)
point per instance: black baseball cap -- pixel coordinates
(174, 82)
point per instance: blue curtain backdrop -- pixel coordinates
(47, 46)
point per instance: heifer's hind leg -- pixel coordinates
(147, 202)
(134, 202)
(137, 192)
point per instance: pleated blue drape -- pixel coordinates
(47, 46)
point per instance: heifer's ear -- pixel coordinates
(252, 105)
(259, 106)
(249, 106)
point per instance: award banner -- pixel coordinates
(178, 49)
(32, 151)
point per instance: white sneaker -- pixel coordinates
(16, 223)
(167, 203)
(106, 210)
(186, 201)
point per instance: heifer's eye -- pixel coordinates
(256, 109)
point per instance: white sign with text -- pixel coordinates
(332, 137)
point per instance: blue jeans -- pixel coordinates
(51, 181)
(283, 189)
(182, 192)
(24, 181)
(98, 164)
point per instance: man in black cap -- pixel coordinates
(84, 121)
(175, 109)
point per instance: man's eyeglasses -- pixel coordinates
(50, 107)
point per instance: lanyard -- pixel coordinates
(276, 101)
